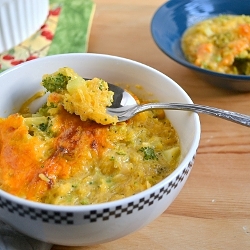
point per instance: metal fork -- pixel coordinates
(126, 112)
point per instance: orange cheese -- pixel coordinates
(26, 173)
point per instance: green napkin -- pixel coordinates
(72, 33)
(66, 30)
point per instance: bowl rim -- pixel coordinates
(84, 208)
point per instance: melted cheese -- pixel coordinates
(66, 158)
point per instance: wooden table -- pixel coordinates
(213, 209)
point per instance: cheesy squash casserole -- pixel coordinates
(220, 44)
(71, 152)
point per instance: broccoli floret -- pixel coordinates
(47, 127)
(43, 126)
(44, 110)
(40, 126)
(149, 153)
(56, 82)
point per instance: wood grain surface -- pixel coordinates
(213, 209)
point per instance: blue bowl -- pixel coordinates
(175, 16)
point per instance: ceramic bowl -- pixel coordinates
(172, 19)
(95, 224)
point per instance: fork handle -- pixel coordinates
(224, 114)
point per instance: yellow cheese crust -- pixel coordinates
(220, 44)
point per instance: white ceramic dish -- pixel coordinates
(95, 224)
(19, 19)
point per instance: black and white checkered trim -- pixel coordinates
(118, 211)
(37, 214)
(56, 217)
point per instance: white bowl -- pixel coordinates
(19, 19)
(95, 224)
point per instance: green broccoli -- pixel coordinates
(56, 82)
(40, 126)
(149, 153)
(45, 109)
(43, 126)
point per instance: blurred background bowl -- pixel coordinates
(172, 19)
(19, 19)
(95, 224)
